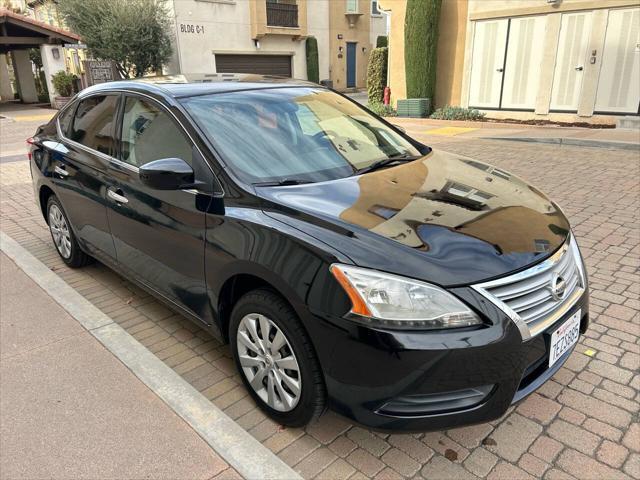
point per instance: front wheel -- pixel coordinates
(276, 359)
(62, 235)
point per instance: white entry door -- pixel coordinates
(571, 57)
(619, 82)
(524, 56)
(489, 45)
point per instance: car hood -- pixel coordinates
(444, 218)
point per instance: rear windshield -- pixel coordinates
(298, 134)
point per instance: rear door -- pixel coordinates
(158, 235)
(80, 164)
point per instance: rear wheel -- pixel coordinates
(275, 358)
(62, 235)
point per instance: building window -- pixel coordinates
(352, 6)
(375, 11)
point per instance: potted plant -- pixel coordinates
(63, 84)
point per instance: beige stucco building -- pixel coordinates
(268, 37)
(564, 60)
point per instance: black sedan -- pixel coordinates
(348, 265)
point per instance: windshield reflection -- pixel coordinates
(295, 134)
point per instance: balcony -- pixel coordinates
(282, 15)
(278, 17)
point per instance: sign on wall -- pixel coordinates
(100, 71)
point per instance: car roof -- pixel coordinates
(185, 85)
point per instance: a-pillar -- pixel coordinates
(6, 92)
(52, 63)
(23, 70)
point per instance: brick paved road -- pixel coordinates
(581, 424)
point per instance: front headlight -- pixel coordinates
(389, 301)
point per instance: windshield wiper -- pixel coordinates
(385, 162)
(280, 183)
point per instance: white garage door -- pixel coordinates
(575, 30)
(619, 83)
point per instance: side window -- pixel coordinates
(93, 123)
(65, 119)
(148, 134)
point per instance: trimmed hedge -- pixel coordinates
(382, 41)
(313, 69)
(421, 42)
(377, 74)
(457, 113)
(380, 109)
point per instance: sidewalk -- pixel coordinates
(578, 136)
(70, 409)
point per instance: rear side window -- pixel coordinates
(65, 120)
(148, 134)
(93, 123)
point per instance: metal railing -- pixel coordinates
(282, 14)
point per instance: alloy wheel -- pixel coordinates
(60, 231)
(268, 362)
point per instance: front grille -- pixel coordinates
(532, 297)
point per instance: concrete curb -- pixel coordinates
(576, 142)
(234, 444)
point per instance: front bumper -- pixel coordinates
(421, 381)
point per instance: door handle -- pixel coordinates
(579, 68)
(116, 197)
(61, 171)
(500, 70)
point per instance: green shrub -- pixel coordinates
(63, 83)
(457, 113)
(381, 109)
(421, 42)
(313, 69)
(377, 74)
(382, 41)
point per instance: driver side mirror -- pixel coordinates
(167, 174)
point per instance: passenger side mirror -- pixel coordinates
(167, 174)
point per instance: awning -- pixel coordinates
(19, 32)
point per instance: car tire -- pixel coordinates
(275, 392)
(63, 237)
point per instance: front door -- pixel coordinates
(158, 234)
(351, 64)
(80, 175)
(568, 74)
(619, 83)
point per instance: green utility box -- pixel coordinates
(414, 107)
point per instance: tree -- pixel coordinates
(421, 43)
(133, 33)
(377, 74)
(313, 70)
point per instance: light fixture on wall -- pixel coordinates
(56, 53)
(256, 42)
(364, 49)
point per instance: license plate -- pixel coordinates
(564, 338)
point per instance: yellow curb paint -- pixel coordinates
(450, 131)
(33, 118)
(589, 352)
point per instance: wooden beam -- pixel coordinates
(8, 40)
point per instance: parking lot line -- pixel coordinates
(235, 445)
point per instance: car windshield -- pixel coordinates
(295, 134)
